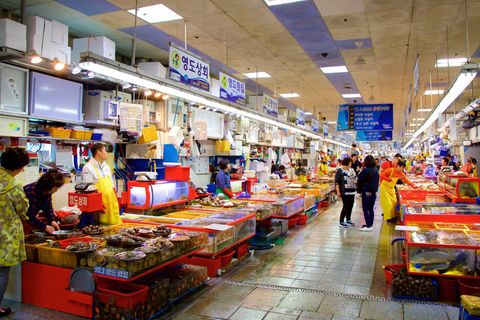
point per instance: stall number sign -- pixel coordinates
(188, 69)
(232, 89)
(270, 106)
(122, 274)
(77, 200)
(300, 117)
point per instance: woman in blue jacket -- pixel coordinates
(367, 186)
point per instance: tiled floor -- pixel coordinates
(320, 272)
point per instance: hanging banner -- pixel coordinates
(416, 79)
(453, 130)
(315, 125)
(374, 136)
(373, 117)
(270, 106)
(325, 130)
(188, 68)
(410, 100)
(300, 117)
(345, 119)
(231, 89)
(406, 118)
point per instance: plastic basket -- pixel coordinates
(419, 298)
(97, 136)
(58, 257)
(414, 194)
(396, 267)
(302, 219)
(241, 250)
(81, 134)
(148, 134)
(465, 315)
(59, 132)
(470, 287)
(292, 222)
(125, 295)
(226, 257)
(65, 243)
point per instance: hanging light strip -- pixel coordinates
(124, 73)
(462, 80)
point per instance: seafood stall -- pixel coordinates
(440, 212)
(292, 204)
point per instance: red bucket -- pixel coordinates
(292, 222)
(448, 289)
(395, 267)
(469, 287)
(302, 219)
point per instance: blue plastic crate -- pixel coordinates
(97, 136)
(464, 315)
(417, 298)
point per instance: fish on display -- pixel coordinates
(459, 260)
(433, 257)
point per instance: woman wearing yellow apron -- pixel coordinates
(101, 178)
(388, 197)
(301, 173)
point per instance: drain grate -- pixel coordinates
(336, 294)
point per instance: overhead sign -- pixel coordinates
(300, 117)
(374, 136)
(345, 119)
(373, 117)
(232, 89)
(325, 130)
(270, 106)
(315, 125)
(410, 100)
(416, 79)
(188, 68)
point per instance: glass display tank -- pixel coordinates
(291, 204)
(462, 188)
(440, 212)
(150, 195)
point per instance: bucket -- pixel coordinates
(448, 289)
(292, 222)
(395, 267)
(226, 257)
(302, 219)
(404, 256)
(469, 287)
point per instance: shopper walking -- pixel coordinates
(388, 197)
(13, 208)
(367, 186)
(345, 182)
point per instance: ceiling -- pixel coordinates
(287, 41)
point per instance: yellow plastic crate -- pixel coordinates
(148, 134)
(59, 132)
(80, 134)
(222, 145)
(58, 257)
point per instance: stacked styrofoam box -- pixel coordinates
(13, 35)
(48, 38)
(154, 68)
(99, 45)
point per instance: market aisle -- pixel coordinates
(323, 272)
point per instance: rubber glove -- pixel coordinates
(228, 192)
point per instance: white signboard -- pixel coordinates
(270, 106)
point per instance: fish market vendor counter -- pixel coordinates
(460, 188)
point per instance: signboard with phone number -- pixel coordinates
(188, 69)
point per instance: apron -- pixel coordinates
(218, 191)
(302, 179)
(388, 197)
(109, 199)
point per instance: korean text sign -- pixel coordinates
(232, 89)
(300, 117)
(374, 136)
(315, 125)
(373, 117)
(188, 69)
(270, 106)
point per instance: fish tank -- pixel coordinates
(292, 204)
(439, 212)
(463, 188)
(148, 195)
(448, 251)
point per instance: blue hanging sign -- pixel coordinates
(345, 119)
(315, 125)
(270, 106)
(232, 89)
(188, 68)
(374, 136)
(300, 117)
(373, 117)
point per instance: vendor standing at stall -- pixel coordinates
(223, 179)
(39, 195)
(13, 208)
(98, 172)
(301, 173)
(388, 180)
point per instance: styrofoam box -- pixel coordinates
(102, 46)
(13, 28)
(59, 33)
(13, 42)
(62, 53)
(38, 26)
(35, 43)
(154, 68)
(175, 136)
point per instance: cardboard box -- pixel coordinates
(101, 46)
(13, 42)
(154, 68)
(13, 28)
(59, 33)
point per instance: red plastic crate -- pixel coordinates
(177, 173)
(292, 222)
(226, 257)
(241, 250)
(302, 219)
(126, 295)
(213, 265)
(65, 243)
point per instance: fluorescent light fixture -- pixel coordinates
(462, 80)
(351, 95)
(337, 69)
(124, 75)
(257, 75)
(308, 113)
(414, 124)
(419, 119)
(156, 13)
(457, 62)
(424, 110)
(432, 92)
(332, 122)
(126, 85)
(279, 2)
(289, 95)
